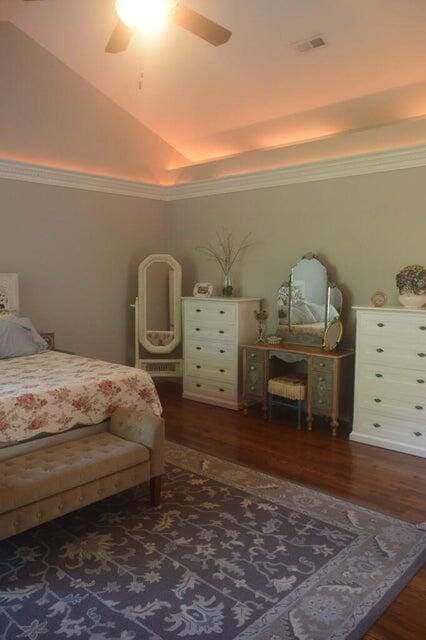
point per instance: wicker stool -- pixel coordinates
(289, 388)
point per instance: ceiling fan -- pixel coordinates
(134, 14)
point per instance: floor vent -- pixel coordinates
(162, 368)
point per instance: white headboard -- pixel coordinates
(9, 292)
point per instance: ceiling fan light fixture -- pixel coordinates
(144, 15)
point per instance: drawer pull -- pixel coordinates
(222, 390)
(221, 331)
(422, 355)
(376, 425)
(222, 350)
(379, 375)
(379, 350)
(198, 384)
(419, 407)
(222, 370)
(377, 400)
(252, 388)
(222, 312)
(422, 328)
(321, 379)
(418, 434)
(197, 329)
(198, 310)
(380, 324)
(252, 368)
(198, 366)
(321, 364)
(252, 355)
(420, 381)
(198, 348)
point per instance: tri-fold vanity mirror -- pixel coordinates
(310, 306)
(305, 364)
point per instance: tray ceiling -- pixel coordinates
(256, 91)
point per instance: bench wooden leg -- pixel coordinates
(155, 486)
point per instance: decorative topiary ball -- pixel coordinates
(411, 279)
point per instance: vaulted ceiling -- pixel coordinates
(256, 92)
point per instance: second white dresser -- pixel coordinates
(390, 382)
(213, 330)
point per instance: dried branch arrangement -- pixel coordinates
(226, 251)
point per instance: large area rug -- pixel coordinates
(231, 553)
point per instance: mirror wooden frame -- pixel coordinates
(142, 302)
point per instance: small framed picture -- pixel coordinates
(9, 292)
(203, 290)
(49, 338)
(378, 299)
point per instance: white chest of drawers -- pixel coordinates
(213, 330)
(390, 379)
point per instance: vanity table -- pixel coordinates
(309, 309)
(329, 378)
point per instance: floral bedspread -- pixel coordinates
(51, 392)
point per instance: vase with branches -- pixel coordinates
(226, 251)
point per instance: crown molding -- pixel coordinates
(406, 158)
(78, 180)
(369, 163)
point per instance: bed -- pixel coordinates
(73, 430)
(53, 392)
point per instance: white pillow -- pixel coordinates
(301, 313)
(332, 313)
(318, 311)
(18, 337)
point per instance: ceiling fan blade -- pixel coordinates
(120, 38)
(201, 26)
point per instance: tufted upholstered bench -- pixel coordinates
(50, 482)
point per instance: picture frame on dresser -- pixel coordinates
(213, 331)
(390, 379)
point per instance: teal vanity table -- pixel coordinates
(309, 324)
(329, 378)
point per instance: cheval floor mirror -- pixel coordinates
(158, 320)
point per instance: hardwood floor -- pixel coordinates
(378, 478)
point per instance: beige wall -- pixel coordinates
(76, 251)
(77, 254)
(367, 228)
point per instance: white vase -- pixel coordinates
(412, 300)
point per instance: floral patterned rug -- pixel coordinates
(231, 553)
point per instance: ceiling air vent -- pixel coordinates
(315, 42)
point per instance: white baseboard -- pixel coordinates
(388, 444)
(226, 404)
